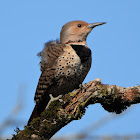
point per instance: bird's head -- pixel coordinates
(76, 31)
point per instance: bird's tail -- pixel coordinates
(34, 114)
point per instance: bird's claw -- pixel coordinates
(54, 99)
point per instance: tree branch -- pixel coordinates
(58, 114)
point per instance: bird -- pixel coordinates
(64, 64)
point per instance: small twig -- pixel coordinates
(10, 119)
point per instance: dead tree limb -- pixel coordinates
(112, 98)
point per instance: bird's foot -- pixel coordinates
(82, 87)
(54, 99)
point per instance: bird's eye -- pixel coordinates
(79, 25)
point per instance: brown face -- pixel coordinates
(74, 31)
(78, 28)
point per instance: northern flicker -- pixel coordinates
(64, 64)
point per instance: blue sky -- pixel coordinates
(26, 25)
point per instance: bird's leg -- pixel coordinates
(82, 87)
(54, 99)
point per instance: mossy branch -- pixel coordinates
(58, 114)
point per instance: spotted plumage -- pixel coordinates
(64, 65)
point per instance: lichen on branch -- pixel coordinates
(72, 107)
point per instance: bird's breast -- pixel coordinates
(70, 71)
(68, 64)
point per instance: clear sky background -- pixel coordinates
(26, 25)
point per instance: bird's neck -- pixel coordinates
(78, 43)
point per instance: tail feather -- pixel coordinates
(34, 114)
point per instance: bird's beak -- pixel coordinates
(92, 25)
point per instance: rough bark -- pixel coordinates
(59, 113)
